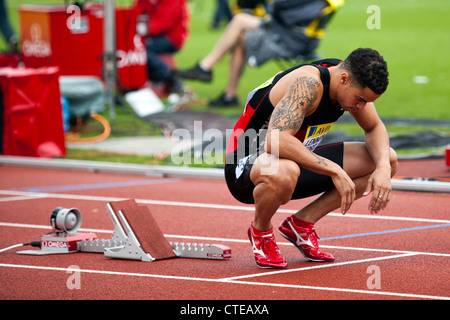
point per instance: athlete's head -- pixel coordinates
(363, 77)
(368, 69)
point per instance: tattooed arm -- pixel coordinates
(301, 98)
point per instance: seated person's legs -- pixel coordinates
(158, 70)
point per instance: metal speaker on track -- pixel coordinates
(65, 220)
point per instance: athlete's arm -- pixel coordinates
(300, 99)
(377, 143)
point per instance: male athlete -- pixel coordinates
(274, 154)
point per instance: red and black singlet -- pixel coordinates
(249, 133)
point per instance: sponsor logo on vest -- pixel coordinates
(315, 134)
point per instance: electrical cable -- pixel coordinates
(32, 243)
(74, 137)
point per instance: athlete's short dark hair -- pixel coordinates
(368, 68)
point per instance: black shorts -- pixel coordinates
(308, 184)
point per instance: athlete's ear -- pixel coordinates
(345, 78)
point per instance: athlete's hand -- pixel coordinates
(346, 188)
(379, 184)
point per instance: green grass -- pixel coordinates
(413, 38)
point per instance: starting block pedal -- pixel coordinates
(127, 217)
(137, 236)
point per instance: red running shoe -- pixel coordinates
(265, 249)
(305, 239)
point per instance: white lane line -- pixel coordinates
(233, 282)
(21, 198)
(131, 274)
(320, 266)
(374, 292)
(207, 205)
(215, 239)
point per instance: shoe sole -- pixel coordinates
(300, 248)
(191, 77)
(201, 79)
(269, 267)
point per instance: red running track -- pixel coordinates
(401, 253)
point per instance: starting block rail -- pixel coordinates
(201, 251)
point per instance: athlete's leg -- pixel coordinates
(275, 180)
(359, 165)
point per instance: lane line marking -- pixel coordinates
(385, 232)
(21, 198)
(374, 292)
(208, 205)
(215, 239)
(234, 282)
(89, 186)
(16, 196)
(319, 266)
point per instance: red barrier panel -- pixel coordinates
(32, 115)
(49, 39)
(10, 60)
(131, 52)
(447, 156)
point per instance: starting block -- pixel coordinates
(136, 236)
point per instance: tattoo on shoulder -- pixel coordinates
(291, 110)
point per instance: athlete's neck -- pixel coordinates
(334, 83)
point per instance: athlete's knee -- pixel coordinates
(284, 180)
(240, 18)
(288, 174)
(243, 21)
(279, 174)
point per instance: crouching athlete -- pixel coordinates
(274, 154)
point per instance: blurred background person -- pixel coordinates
(291, 29)
(6, 28)
(168, 29)
(254, 7)
(222, 12)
